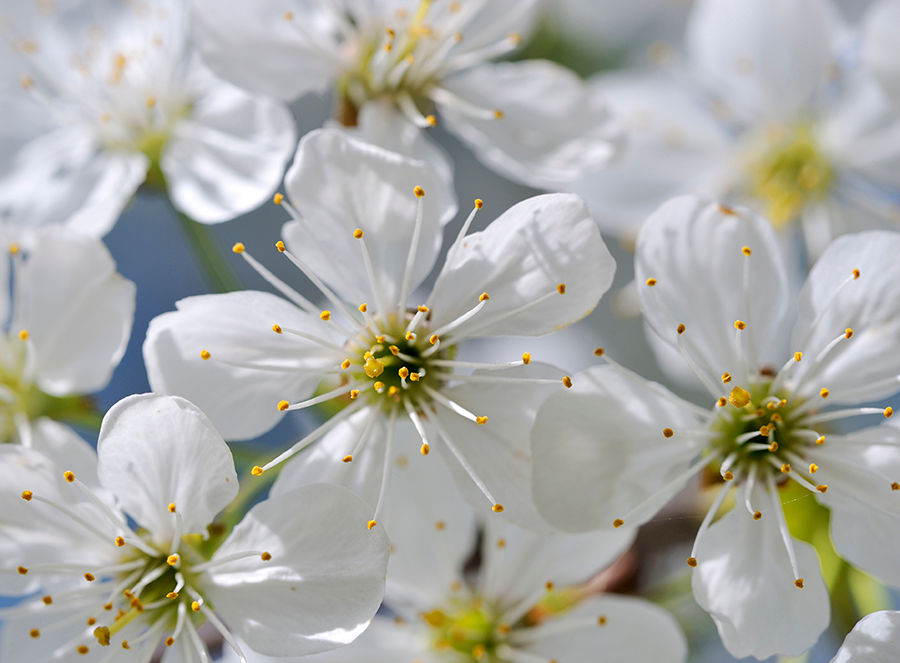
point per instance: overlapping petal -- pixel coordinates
(874, 639)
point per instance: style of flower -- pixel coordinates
(65, 326)
(813, 146)
(369, 234)
(294, 576)
(875, 639)
(532, 121)
(111, 96)
(529, 601)
(617, 448)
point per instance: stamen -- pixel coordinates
(386, 468)
(454, 248)
(783, 528)
(325, 290)
(343, 390)
(420, 427)
(282, 287)
(707, 521)
(453, 324)
(413, 249)
(451, 405)
(378, 293)
(834, 415)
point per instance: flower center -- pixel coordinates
(469, 627)
(789, 172)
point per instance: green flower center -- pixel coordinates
(469, 627)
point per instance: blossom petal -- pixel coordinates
(865, 366)
(77, 309)
(609, 628)
(340, 184)
(880, 34)
(158, 450)
(554, 128)
(745, 581)
(325, 579)
(691, 269)
(66, 449)
(535, 251)
(486, 22)
(600, 452)
(229, 154)
(265, 48)
(868, 539)
(739, 47)
(874, 639)
(236, 326)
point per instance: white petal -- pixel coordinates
(229, 154)
(522, 256)
(324, 581)
(874, 639)
(554, 128)
(744, 580)
(866, 366)
(490, 21)
(340, 184)
(693, 248)
(633, 630)
(600, 452)
(739, 47)
(236, 326)
(66, 449)
(868, 539)
(77, 309)
(157, 450)
(258, 48)
(880, 34)
(526, 561)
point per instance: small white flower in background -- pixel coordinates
(65, 328)
(529, 602)
(880, 35)
(813, 145)
(368, 235)
(100, 97)
(532, 121)
(299, 574)
(874, 639)
(617, 448)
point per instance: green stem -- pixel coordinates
(219, 274)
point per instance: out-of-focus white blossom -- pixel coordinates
(875, 639)
(880, 39)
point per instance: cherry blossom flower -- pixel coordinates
(617, 448)
(299, 574)
(110, 95)
(369, 233)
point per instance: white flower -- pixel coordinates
(813, 146)
(527, 603)
(66, 325)
(110, 95)
(298, 574)
(533, 121)
(617, 448)
(875, 639)
(369, 233)
(880, 32)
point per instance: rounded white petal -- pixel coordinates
(868, 539)
(325, 578)
(157, 450)
(66, 449)
(487, 21)
(236, 326)
(554, 127)
(228, 155)
(265, 48)
(523, 260)
(77, 309)
(692, 252)
(739, 49)
(631, 630)
(874, 639)
(865, 366)
(340, 184)
(600, 453)
(744, 580)
(880, 35)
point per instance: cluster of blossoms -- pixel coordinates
(442, 509)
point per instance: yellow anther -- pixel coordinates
(27, 495)
(119, 541)
(728, 211)
(125, 644)
(501, 543)
(497, 508)
(440, 526)
(403, 372)
(813, 468)
(483, 297)
(23, 335)
(422, 309)
(106, 117)
(526, 358)
(848, 332)
(498, 114)
(288, 16)
(151, 102)
(692, 562)
(265, 556)
(69, 476)
(379, 339)
(13, 249)
(740, 325)
(282, 406)
(746, 250)
(102, 634)
(205, 355)
(354, 394)
(325, 315)
(409, 336)
(373, 367)
(22, 571)
(786, 468)
(668, 432)
(371, 524)
(728, 476)
(895, 486)
(363, 307)
(561, 288)
(680, 329)
(478, 651)
(347, 459)
(433, 339)
(26, 81)
(107, 606)
(888, 412)
(90, 577)
(393, 391)
(277, 329)
(278, 198)
(358, 233)
(238, 248)
(764, 431)
(378, 386)
(726, 377)
(757, 515)
(738, 397)
(771, 405)
(618, 522)
(599, 352)
(855, 273)
(171, 507)
(820, 440)
(48, 600)
(798, 583)
(195, 606)
(170, 641)
(823, 392)
(419, 191)
(774, 446)
(34, 633)
(481, 420)
(567, 381)
(548, 586)
(479, 203)
(776, 418)
(172, 596)
(431, 119)
(650, 282)
(414, 377)
(280, 246)
(82, 649)
(172, 560)
(822, 488)
(424, 449)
